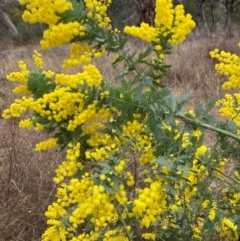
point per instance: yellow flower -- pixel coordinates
(201, 150)
(167, 21)
(44, 11)
(205, 204)
(212, 212)
(45, 145)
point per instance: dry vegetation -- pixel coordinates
(26, 177)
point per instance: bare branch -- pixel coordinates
(7, 23)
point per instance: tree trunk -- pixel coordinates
(229, 5)
(212, 6)
(146, 11)
(228, 29)
(201, 19)
(7, 23)
(176, 2)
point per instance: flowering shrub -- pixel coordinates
(229, 66)
(137, 166)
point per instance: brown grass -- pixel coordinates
(193, 69)
(26, 177)
(26, 183)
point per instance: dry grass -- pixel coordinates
(193, 69)
(26, 183)
(26, 177)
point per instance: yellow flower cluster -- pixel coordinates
(149, 236)
(79, 53)
(48, 144)
(149, 204)
(18, 108)
(27, 123)
(110, 144)
(147, 157)
(134, 130)
(196, 173)
(164, 15)
(187, 138)
(182, 25)
(83, 116)
(61, 103)
(98, 11)
(71, 165)
(111, 176)
(144, 32)
(99, 154)
(230, 107)
(205, 204)
(228, 230)
(229, 66)
(171, 129)
(37, 57)
(235, 198)
(61, 33)
(130, 179)
(212, 212)
(90, 75)
(44, 11)
(167, 21)
(47, 11)
(116, 235)
(20, 77)
(197, 231)
(130, 131)
(90, 204)
(201, 151)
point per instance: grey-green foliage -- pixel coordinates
(219, 12)
(13, 9)
(26, 32)
(236, 14)
(189, 7)
(122, 13)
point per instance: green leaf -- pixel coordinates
(154, 107)
(172, 102)
(210, 105)
(108, 189)
(184, 100)
(39, 84)
(78, 13)
(144, 55)
(105, 170)
(162, 161)
(102, 40)
(89, 29)
(170, 188)
(120, 77)
(199, 110)
(184, 169)
(145, 83)
(104, 164)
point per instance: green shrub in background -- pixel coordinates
(26, 31)
(137, 165)
(122, 13)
